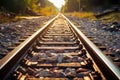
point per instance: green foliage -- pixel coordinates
(88, 5)
(71, 6)
(46, 11)
(48, 8)
(32, 4)
(20, 6)
(15, 6)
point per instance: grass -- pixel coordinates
(113, 17)
(84, 15)
(7, 19)
(47, 11)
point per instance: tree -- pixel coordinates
(88, 5)
(71, 6)
(48, 8)
(23, 6)
(15, 6)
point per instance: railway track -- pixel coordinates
(57, 51)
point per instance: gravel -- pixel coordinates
(106, 34)
(10, 33)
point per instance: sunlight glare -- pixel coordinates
(58, 3)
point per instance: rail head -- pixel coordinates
(10, 59)
(109, 65)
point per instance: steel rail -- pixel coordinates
(108, 68)
(13, 57)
